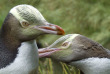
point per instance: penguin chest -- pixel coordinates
(26, 60)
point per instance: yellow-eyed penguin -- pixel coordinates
(18, 49)
(79, 51)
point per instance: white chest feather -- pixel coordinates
(26, 60)
(94, 65)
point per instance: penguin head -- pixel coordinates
(26, 23)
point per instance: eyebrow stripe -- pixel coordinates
(60, 39)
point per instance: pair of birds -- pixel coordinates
(18, 49)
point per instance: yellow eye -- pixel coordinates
(25, 24)
(65, 44)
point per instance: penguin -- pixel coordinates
(79, 51)
(18, 34)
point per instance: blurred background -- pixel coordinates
(90, 18)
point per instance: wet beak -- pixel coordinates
(51, 29)
(46, 52)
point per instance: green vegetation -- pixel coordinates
(87, 17)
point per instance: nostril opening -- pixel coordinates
(50, 24)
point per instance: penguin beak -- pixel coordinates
(51, 29)
(46, 52)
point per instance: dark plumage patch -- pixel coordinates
(86, 48)
(8, 44)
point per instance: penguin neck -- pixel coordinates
(7, 38)
(9, 41)
(93, 65)
(8, 46)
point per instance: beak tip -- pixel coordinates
(60, 30)
(61, 33)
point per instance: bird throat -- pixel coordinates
(93, 65)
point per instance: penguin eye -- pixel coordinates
(25, 24)
(65, 44)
